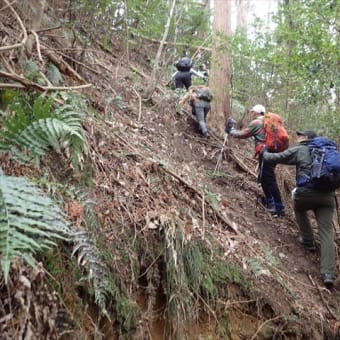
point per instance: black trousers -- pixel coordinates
(267, 179)
(182, 79)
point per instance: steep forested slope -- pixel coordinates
(178, 248)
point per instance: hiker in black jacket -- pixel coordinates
(305, 198)
(182, 77)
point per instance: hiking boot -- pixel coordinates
(268, 203)
(275, 212)
(278, 209)
(328, 280)
(306, 245)
(206, 135)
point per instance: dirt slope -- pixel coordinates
(290, 275)
(130, 134)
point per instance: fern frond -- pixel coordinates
(33, 130)
(29, 221)
(42, 107)
(39, 136)
(87, 256)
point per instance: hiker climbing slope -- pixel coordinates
(182, 77)
(306, 197)
(266, 176)
(199, 98)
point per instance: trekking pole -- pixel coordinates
(229, 126)
(219, 160)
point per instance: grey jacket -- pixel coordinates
(298, 155)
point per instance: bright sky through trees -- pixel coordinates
(263, 9)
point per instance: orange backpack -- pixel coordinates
(277, 138)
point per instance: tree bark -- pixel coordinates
(221, 73)
(242, 14)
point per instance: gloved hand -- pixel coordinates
(230, 131)
(230, 125)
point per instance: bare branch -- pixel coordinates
(11, 3)
(26, 83)
(23, 42)
(42, 30)
(38, 44)
(62, 65)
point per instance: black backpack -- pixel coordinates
(184, 64)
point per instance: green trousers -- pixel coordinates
(323, 205)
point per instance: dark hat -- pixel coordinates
(308, 133)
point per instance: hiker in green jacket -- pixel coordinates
(199, 98)
(305, 198)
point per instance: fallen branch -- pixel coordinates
(224, 219)
(38, 44)
(323, 298)
(5, 63)
(62, 65)
(241, 164)
(26, 83)
(176, 44)
(24, 39)
(201, 47)
(264, 323)
(42, 30)
(78, 62)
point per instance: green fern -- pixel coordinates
(87, 255)
(29, 221)
(28, 135)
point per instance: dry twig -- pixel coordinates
(24, 39)
(62, 65)
(38, 44)
(139, 104)
(224, 219)
(264, 323)
(323, 298)
(29, 84)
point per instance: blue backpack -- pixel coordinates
(325, 172)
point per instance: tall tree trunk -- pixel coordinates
(242, 7)
(221, 73)
(154, 75)
(289, 45)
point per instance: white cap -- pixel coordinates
(260, 109)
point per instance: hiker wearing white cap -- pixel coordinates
(266, 177)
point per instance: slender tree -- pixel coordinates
(154, 75)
